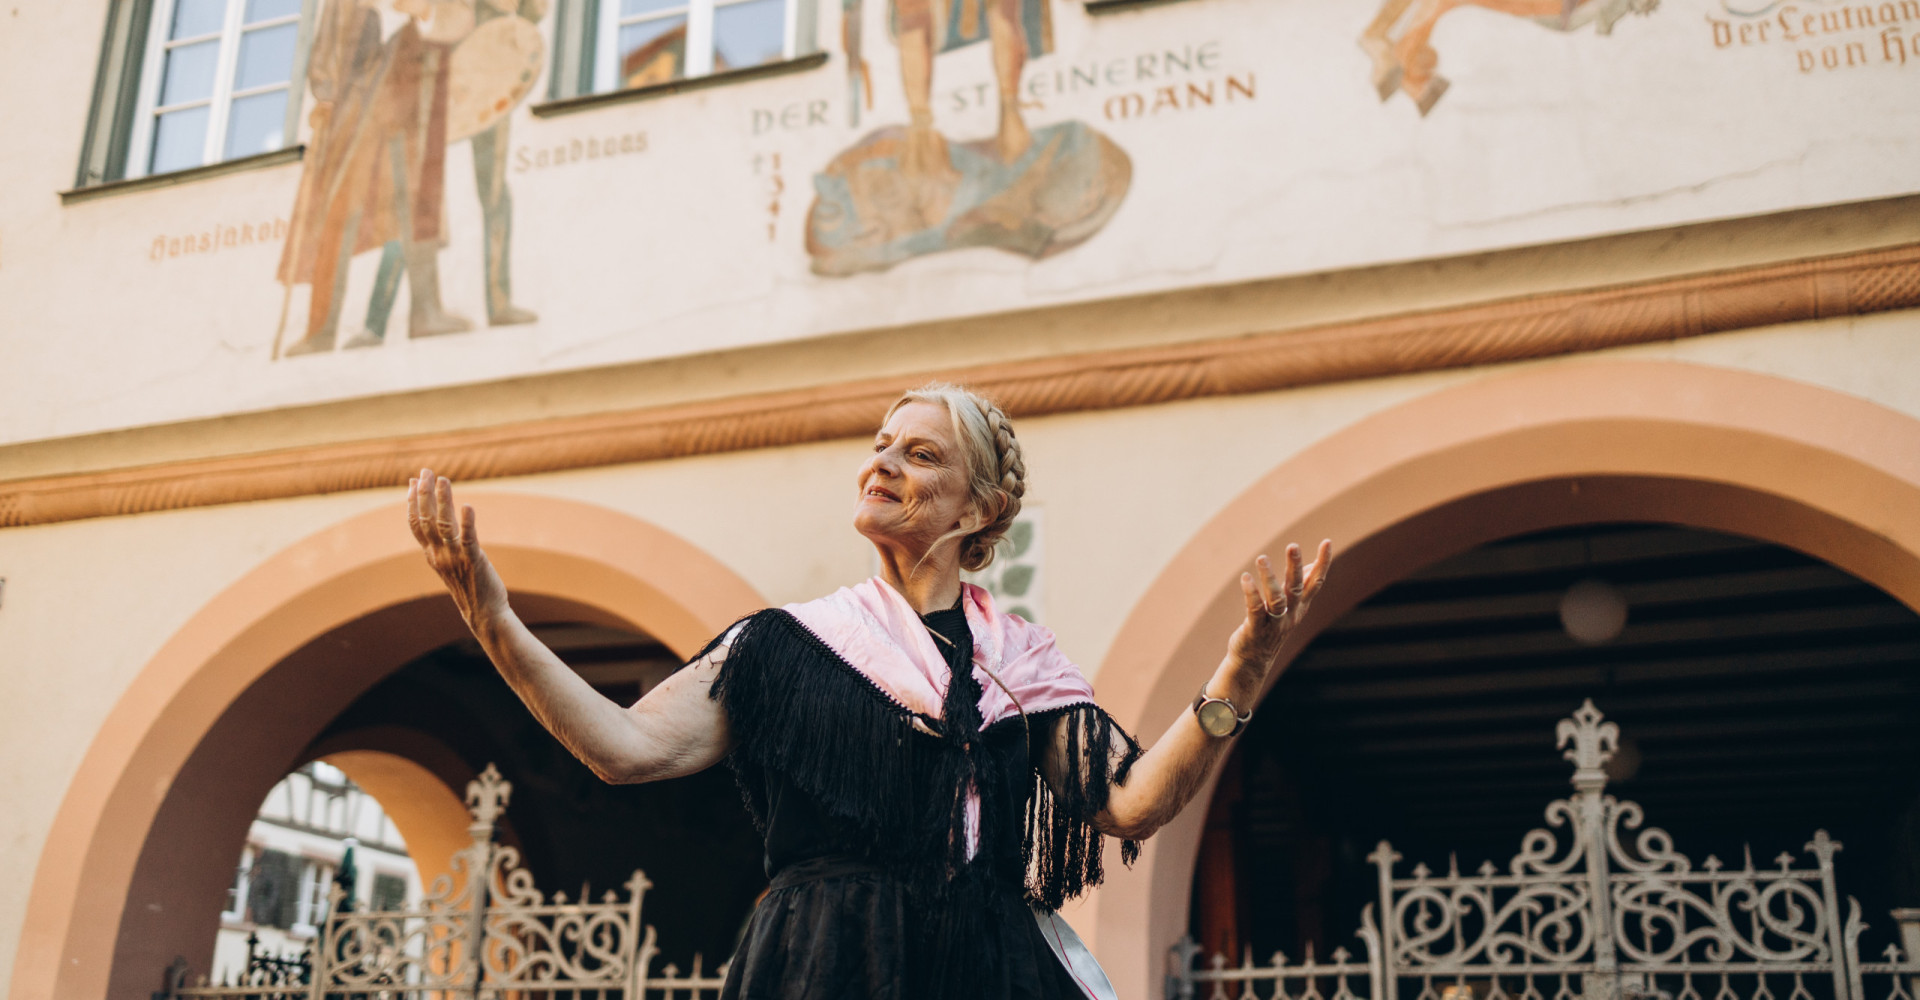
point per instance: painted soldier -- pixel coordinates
(377, 172)
(382, 122)
(490, 164)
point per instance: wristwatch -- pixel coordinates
(1217, 716)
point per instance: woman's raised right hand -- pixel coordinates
(453, 549)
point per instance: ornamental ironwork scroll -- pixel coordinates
(482, 931)
(1595, 906)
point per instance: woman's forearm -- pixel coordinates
(1170, 773)
(589, 724)
(676, 729)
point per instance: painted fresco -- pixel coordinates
(950, 158)
(909, 190)
(1400, 38)
(385, 107)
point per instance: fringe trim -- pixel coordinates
(1062, 850)
(800, 710)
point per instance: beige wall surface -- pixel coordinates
(88, 603)
(1177, 145)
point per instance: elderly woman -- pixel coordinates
(930, 773)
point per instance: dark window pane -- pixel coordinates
(257, 124)
(389, 892)
(267, 10)
(189, 73)
(653, 51)
(273, 894)
(266, 56)
(179, 140)
(749, 34)
(193, 18)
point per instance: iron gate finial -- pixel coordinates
(487, 797)
(1594, 742)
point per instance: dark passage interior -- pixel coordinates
(690, 835)
(1761, 694)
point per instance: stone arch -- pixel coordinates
(1813, 469)
(428, 811)
(251, 678)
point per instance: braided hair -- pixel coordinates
(996, 470)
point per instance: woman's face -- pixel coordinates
(913, 490)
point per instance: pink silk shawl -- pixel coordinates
(879, 634)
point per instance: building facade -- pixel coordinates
(315, 829)
(642, 277)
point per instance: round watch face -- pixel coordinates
(1217, 718)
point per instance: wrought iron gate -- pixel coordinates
(482, 932)
(1614, 914)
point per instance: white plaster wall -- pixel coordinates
(87, 603)
(696, 244)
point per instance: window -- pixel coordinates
(315, 879)
(640, 42)
(236, 908)
(389, 892)
(272, 888)
(214, 83)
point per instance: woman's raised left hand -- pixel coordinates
(451, 543)
(1275, 606)
(1169, 774)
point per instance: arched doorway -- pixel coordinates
(1547, 446)
(243, 691)
(1762, 695)
(574, 832)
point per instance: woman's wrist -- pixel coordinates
(1235, 683)
(487, 623)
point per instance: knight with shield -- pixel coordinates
(386, 108)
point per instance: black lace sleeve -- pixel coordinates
(1063, 847)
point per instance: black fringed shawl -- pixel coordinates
(801, 714)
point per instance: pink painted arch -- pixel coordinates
(1585, 441)
(579, 558)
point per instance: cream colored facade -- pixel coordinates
(1679, 270)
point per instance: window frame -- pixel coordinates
(605, 24)
(147, 109)
(241, 885)
(309, 911)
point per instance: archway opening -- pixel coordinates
(142, 848)
(403, 699)
(1762, 694)
(317, 828)
(574, 832)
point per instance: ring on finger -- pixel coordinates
(1279, 612)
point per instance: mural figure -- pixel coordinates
(1404, 60)
(385, 110)
(902, 192)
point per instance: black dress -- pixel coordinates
(875, 894)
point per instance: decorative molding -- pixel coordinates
(1480, 334)
(258, 161)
